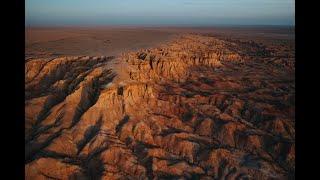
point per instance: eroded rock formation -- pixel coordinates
(196, 108)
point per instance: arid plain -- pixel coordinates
(160, 103)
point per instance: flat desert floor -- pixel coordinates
(112, 41)
(160, 103)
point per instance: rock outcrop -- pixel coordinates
(196, 108)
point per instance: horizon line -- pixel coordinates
(158, 25)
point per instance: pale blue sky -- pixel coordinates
(160, 12)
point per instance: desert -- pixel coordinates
(160, 103)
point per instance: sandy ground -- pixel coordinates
(111, 41)
(92, 42)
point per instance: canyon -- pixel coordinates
(198, 106)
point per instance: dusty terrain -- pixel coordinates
(55, 42)
(112, 41)
(197, 106)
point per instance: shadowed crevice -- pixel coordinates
(89, 134)
(122, 122)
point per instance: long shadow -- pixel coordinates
(83, 105)
(32, 149)
(89, 134)
(94, 168)
(122, 122)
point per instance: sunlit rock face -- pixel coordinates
(196, 108)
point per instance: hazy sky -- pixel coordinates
(160, 12)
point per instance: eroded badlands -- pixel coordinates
(195, 108)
